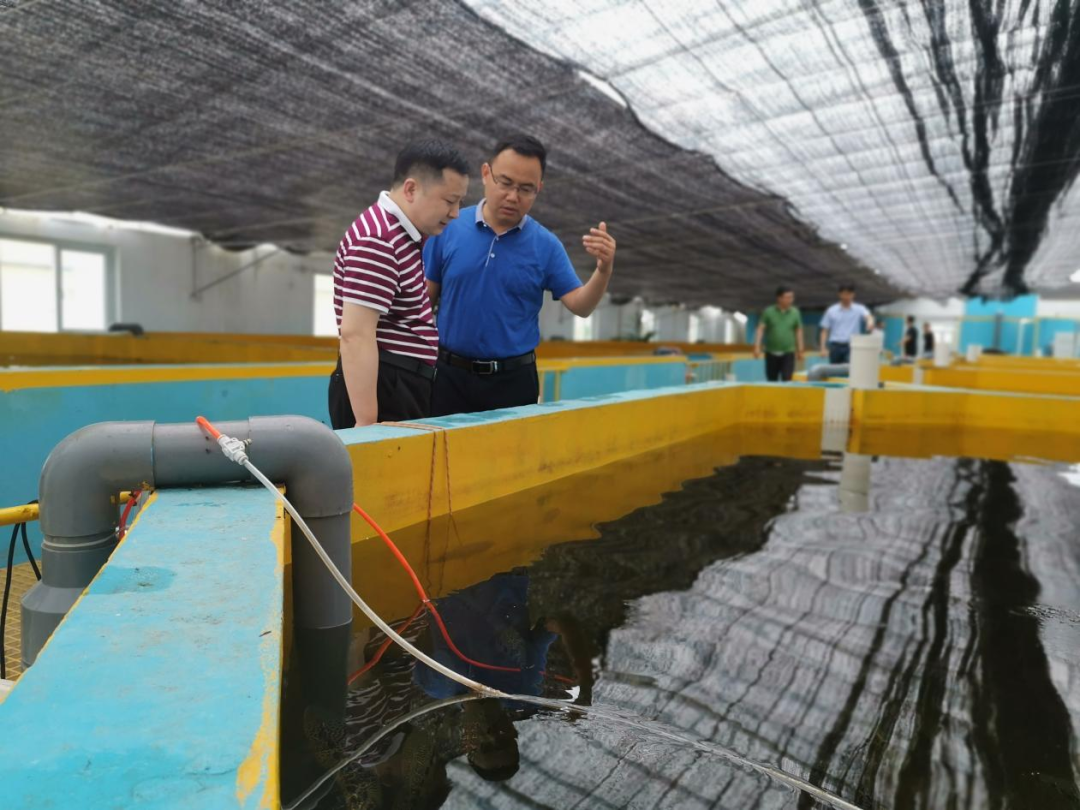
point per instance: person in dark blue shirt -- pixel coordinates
(911, 339)
(488, 272)
(490, 623)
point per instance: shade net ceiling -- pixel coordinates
(921, 147)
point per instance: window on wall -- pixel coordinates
(46, 287)
(324, 320)
(83, 299)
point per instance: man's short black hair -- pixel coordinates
(847, 287)
(427, 159)
(911, 319)
(782, 290)
(524, 145)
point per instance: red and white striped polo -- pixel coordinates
(379, 265)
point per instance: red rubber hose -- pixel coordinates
(122, 528)
(426, 602)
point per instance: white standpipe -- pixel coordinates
(1064, 344)
(866, 360)
(943, 352)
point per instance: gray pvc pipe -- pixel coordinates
(823, 371)
(86, 471)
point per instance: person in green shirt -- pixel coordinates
(780, 332)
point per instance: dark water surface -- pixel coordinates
(904, 633)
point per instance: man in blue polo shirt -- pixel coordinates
(488, 272)
(841, 322)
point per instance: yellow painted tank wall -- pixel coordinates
(37, 349)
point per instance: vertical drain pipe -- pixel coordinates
(82, 477)
(943, 352)
(86, 471)
(865, 361)
(864, 372)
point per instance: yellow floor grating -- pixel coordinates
(22, 579)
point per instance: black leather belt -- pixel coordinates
(425, 370)
(486, 367)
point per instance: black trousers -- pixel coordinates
(839, 353)
(402, 395)
(779, 367)
(460, 391)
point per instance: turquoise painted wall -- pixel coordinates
(982, 332)
(154, 689)
(752, 321)
(894, 333)
(592, 381)
(749, 370)
(754, 370)
(811, 319)
(34, 420)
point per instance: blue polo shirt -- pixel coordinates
(843, 323)
(493, 286)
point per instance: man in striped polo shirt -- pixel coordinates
(389, 344)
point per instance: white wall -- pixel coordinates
(156, 276)
(672, 323)
(930, 309)
(556, 323)
(1058, 307)
(613, 322)
(713, 325)
(609, 321)
(925, 308)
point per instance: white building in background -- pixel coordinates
(635, 320)
(80, 272)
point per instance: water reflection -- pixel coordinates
(919, 650)
(1002, 445)
(502, 638)
(854, 490)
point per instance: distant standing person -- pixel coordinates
(927, 340)
(780, 333)
(911, 339)
(843, 321)
(389, 344)
(488, 273)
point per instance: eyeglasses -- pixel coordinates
(508, 185)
